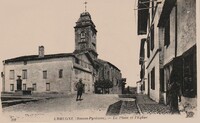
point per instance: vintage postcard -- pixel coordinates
(98, 60)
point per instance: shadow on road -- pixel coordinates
(114, 109)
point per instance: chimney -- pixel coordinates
(41, 51)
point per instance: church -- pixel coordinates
(59, 73)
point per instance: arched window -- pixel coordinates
(82, 34)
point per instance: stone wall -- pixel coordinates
(186, 25)
(35, 74)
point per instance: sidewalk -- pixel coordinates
(147, 106)
(9, 100)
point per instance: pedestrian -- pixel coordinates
(174, 93)
(79, 87)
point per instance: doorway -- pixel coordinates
(19, 84)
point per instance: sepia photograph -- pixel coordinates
(98, 60)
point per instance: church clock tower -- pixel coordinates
(85, 35)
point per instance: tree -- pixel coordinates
(103, 84)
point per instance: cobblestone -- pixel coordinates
(148, 106)
(154, 109)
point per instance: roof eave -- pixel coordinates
(167, 8)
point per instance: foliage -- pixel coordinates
(104, 84)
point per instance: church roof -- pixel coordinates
(85, 16)
(77, 52)
(36, 57)
(106, 62)
(85, 20)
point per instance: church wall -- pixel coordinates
(83, 71)
(107, 72)
(86, 79)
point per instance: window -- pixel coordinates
(148, 20)
(94, 45)
(47, 86)
(60, 73)
(152, 10)
(152, 37)
(167, 32)
(108, 73)
(76, 61)
(168, 70)
(24, 86)
(153, 79)
(12, 74)
(24, 74)
(148, 84)
(82, 34)
(45, 74)
(11, 87)
(34, 87)
(148, 47)
(143, 85)
(2, 74)
(83, 40)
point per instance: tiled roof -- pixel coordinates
(103, 62)
(85, 20)
(36, 57)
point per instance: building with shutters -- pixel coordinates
(170, 45)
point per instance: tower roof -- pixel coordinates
(86, 16)
(84, 20)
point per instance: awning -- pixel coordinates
(143, 12)
(167, 8)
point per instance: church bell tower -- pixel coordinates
(85, 35)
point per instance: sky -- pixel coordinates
(27, 24)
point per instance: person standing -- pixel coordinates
(174, 92)
(79, 87)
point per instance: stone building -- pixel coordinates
(108, 71)
(58, 73)
(170, 29)
(46, 73)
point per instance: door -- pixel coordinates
(161, 85)
(19, 84)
